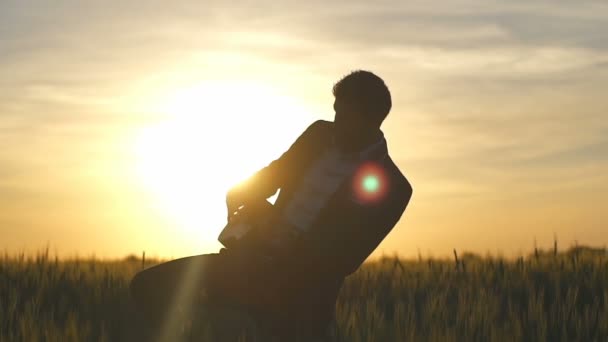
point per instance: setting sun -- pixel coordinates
(214, 135)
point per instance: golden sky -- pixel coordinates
(122, 124)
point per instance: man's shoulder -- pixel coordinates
(317, 133)
(320, 127)
(322, 123)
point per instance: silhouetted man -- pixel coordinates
(340, 195)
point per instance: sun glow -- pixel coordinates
(215, 134)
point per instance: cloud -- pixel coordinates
(509, 62)
(77, 56)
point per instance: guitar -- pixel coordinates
(249, 224)
(257, 225)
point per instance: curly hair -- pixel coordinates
(367, 91)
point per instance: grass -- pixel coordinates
(546, 296)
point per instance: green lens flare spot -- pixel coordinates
(371, 183)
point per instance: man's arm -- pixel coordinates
(265, 182)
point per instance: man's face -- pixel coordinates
(349, 121)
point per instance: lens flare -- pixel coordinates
(370, 183)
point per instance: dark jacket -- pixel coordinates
(345, 232)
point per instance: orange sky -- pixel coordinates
(121, 126)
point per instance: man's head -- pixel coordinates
(362, 102)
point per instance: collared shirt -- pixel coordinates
(322, 180)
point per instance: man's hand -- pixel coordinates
(237, 197)
(233, 202)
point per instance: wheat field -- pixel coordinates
(545, 296)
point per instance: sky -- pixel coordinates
(122, 124)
